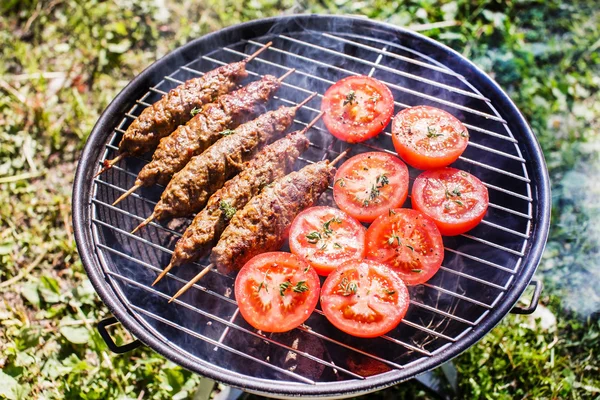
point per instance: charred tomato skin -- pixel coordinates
(364, 298)
(357, 108)
(428, 138)
(276, 291)
(455, 200)
(408, 242)
(369, 184)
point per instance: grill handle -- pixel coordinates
(537, 291)
(109, 340)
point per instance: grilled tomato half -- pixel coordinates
(357, 108)
(364, 298)
(427, 137)
(455, 200)
(408, 242)
(276, 291)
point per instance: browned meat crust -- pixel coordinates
(174, 108)
(273, 162)
(190, 188)
(262, 224)
(230, 110)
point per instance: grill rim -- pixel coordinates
(113, 114)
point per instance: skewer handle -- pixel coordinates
(257, 52)
(127, 193)
(192, 282)
(163, 273)
(306, 100)
(288, 73)
(313, 122)
(144, 223)
(339, 157)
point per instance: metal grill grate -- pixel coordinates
(204, 326)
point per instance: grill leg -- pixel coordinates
(441, 381)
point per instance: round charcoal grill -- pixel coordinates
(484, 271)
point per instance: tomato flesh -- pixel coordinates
(327, 237)
(427, 137)
(456, 200)
(357, 108)
(276, 291)
(408, 242)
(369, 184)
(364, 298)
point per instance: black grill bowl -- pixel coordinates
(484, 272)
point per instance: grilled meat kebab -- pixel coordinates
(175, 108)
(190, 188)
(271, 163)
(262, 224)
(214, 121)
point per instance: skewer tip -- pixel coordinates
(339, 157)
(144, 223)
(126, 194)
(257, 52)
(288, 73)
(192, 282)
(108, 164)
(163, 273)
(306, 100)
(313, 122)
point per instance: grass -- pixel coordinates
(62, 62)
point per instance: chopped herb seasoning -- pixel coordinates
(391, 212)
(394, 237)
(227, 132)
(337, 246)
(341, 181)
(390, 292)
(375, 98)
(283, 286)
(326, 229)
(410, 247)
(350, 98)
(313, 237)
(431, 133)
(417, 270)
(464, 134)
(348, 287)
(194, 111)
(227, 209)
(300, 287)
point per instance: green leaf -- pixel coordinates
(49, 289)
(30, 291)
(75, 334)
(9, 387)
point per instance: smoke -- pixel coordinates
(572, 260)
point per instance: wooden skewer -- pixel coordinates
(306, 100)
(135, 187)
(210, 266)
(108, 164)
(144, 223)
(163, 273)
(127, 193)
(192, 282)
(288, 73)
(338, 158)
(257, 52)
(171, 265)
